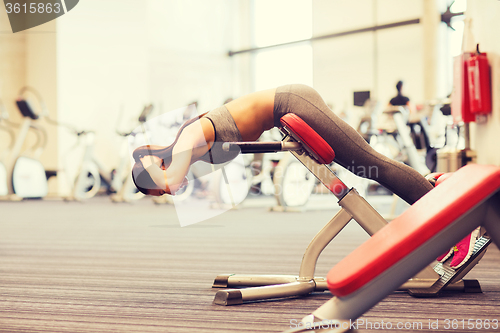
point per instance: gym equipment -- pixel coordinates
(284, 177)
(293, 184)
(464, 201)
(414, 159)
(4, 115)
(434, 131)
(456, 151)
(236, 174)
(28, 177)
(312, 151)
(122, 181)
(451, 157)
(92, 174)
(430, 136)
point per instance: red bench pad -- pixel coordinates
(428, 216)
(309, 137)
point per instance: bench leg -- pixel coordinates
(492, 221)
(353, 206)
(240, 296)
(276, 286)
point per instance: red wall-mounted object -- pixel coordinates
(460, 106)
(471, 95)
(478, 77)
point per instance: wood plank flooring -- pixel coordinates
(103, 267)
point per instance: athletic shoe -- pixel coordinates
(445, 256)
(463, 250)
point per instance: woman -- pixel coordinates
(160, 170)
(414, 118)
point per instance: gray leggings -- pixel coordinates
(351, 150)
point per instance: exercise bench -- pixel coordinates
(441, 218)
(315, 154)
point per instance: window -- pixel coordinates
(277, 22)
(457, 23)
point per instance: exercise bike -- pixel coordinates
(400, 139)
(274, 174)
(122, 181)
(92, 174)
(4, 115)
(26, 172)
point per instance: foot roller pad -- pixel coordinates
(449, 275)
(228, 297)
(472, 286)
(221, 281)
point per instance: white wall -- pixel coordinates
(129, 53)
(12, 71)
(41, 75)
(242, 79)
(27, 58)
(117, 55)
(485, 26)
(188, 47)
(342, 65)
(372, 61)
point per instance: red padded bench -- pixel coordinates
(319, 149)
(413, 240)
(315, 146)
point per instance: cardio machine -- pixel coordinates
(28, 179)
(315, 154)
(122, 181)
(4, 190)
(92, 173)
(405, 140)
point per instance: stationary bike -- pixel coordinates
(278, 174)
(4, 115)
(27, 175)
(122, 181)
(396, 123)
(92, 173)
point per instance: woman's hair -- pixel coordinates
(140, 176)
(142, 179)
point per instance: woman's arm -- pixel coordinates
(194, 141)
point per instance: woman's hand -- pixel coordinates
(154, 167)
(171, 177)
(150, 160)
(174, 188)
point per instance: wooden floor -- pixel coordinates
(103, 267)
